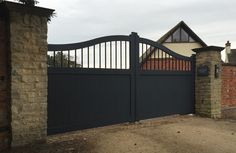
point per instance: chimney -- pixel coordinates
(227, 51)
(228, 47)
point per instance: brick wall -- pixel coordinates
(166, 64)
(228, 86)
(4, 102)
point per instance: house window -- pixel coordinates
(191, 39)
(180, 35)
(169, 39)
(176, 36)
(184, 36)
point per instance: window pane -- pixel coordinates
(176, 36)
(191, 39)
(168, 39)
(184, 36)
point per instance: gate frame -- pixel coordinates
(135, 66)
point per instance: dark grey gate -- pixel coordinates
(116, 79)
(165, 84)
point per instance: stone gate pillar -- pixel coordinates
(27, 58)
(208, 81)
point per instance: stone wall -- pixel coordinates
(29, 77)
(27, 28)
(228, 86)
(4, 99)
(208, 88)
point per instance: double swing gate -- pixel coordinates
(116, 79)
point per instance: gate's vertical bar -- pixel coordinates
(146, 57)
(105, 55)
(169, 65)
(172, 61)
(82, 58)
(158, 60)
(68, 60)
(125, 54)
(94, 65)
(162, 60)
(120, 54)
(111, 54)
(154, 58)
(142, 58)
(176, 66)
(88, 57)
(151, 63)
(166, 68)
(134, 66)
(61, 59)
(100, 56)
(75, 58)
(54, 58)
(116, 54)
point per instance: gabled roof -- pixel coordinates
(187, 29)
(181, 24)
(232, 56)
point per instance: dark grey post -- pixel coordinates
(134, 63)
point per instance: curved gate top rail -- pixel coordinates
(72, 46)
(117, 52)
(157, 45)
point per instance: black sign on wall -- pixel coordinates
(203, 70)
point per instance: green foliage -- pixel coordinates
(61, 60)
(32, 3)
(29, 2)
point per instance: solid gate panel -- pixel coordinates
(85, 101)
(116, 79)
(160, 95)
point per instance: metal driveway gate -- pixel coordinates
(116, 79)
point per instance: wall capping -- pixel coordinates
(208, 48)
(6, 6)
(228, 64)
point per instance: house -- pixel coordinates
(180, 39)
(230, 56)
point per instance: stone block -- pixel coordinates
(208, 88)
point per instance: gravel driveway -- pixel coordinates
(176, 134)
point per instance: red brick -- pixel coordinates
(166, 64)
(228, 90)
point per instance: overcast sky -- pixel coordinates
(214, 21)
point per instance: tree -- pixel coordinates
(32, 3)
(61, 60)
(29, 2)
